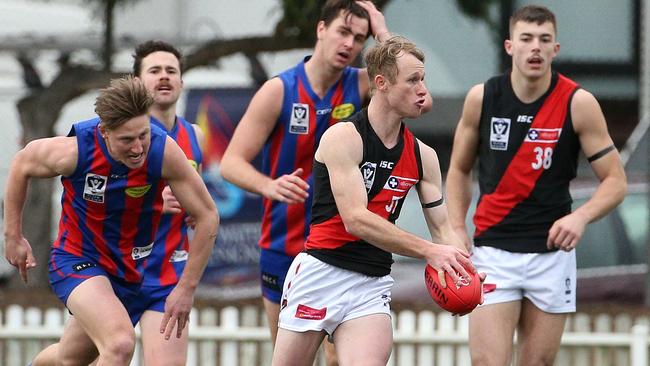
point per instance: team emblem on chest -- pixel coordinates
(95, 187)
(299, 123)
(499, 133)
(368, 170)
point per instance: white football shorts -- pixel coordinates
(318, 296)
(546, 279)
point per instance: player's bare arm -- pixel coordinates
(341, 151)
(589, 124)
(459, 176)
(250, 135)
(434, 207)
(192, 194)
(41, 158)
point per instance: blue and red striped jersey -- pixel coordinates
(292, 144)
(167, 260)
(110, 213)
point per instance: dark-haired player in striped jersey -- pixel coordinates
(527, 127)
(113, 171)
(285, 120)
(363, 170)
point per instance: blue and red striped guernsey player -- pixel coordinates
(527, 127)
(159, 65)
(112, 169)
(285, 120)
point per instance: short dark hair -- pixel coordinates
(145, 49)
(333, 8)
(382, 57)
(533, 14)
(125, 99)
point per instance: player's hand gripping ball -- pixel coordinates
(460, 298)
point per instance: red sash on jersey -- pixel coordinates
(527, 165)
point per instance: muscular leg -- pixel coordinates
(101, 314)
(367, 340)
(491, 332)
(538, 336)
(296, 348)
(74, 348)
(157, 350)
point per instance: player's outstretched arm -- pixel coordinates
(191, 193)
(341, 151)
(463, 155)
(42, 158)
(251, 133)
(591, 128)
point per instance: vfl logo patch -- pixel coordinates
(95, 187)
(306, 312)
(368, 170)
(137, 192)
(81, 266)
(141, 252)
(343, 111)
(299, 123)
(178, 256)
(543, 135)
(499, 133)
(399, 184)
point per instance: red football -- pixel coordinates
(460, 299)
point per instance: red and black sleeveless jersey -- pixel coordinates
(388, 175)
(527, 156)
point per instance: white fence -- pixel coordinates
(238, 336)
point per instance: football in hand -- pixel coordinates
(460, 298)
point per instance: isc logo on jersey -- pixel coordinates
(95, 187)
(299, 123)
(499, 133)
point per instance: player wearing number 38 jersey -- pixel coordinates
(528, 156)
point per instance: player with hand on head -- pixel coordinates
(285, 120)
(527, 127)
(363, 169)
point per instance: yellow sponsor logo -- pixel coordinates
(194, 165)
(343, 111)
(137, 192)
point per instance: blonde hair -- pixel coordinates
(125, 99)
(382, 57)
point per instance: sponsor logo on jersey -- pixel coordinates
(499, 133)
(343, 111)
(399, 184)
(137, 192)
(81, 266)
(95, 187)
(178, 256)
(141, 252)
(368, 170)
(322, 112)
(309, 313)
(543, 135)
(299, 123)
(524, 119)
(386, 164)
